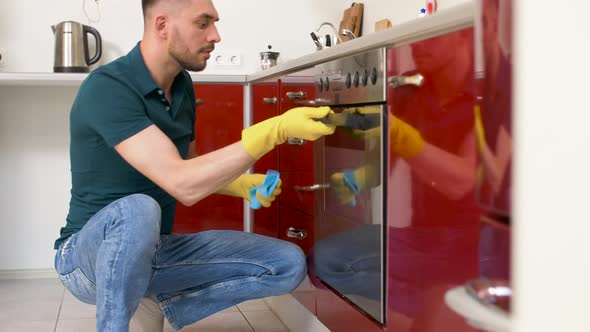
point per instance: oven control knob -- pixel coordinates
(365, 77)
(374, 76)
(356, 79)
(321, 84)
(348, 80)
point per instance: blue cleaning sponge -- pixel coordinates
(352, 184)
(265, 189)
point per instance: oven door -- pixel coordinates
(349, 252)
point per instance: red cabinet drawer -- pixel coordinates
(219, 123)
(265, 105)
(294, 196)
(290, 218)
(266, 220)
(294, 157)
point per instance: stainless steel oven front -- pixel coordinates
(349, 251)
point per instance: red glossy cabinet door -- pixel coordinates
(296, 227)
(296, 190)
(219, 123)
(265, 104)
(433, 233)
(296, 155)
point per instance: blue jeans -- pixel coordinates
(119, 257)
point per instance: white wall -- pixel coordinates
(246, 27)
(34, 138)
(552, 178)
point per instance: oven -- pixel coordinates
(349, 252)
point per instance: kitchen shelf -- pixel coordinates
(75, 79)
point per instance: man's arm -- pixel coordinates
(153, 154)
(192, 150)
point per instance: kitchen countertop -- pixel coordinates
(452, 19)
(75, 79)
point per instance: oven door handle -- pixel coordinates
(315, 102)
(397, 81)
(315, 187)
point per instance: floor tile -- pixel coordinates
(264, 321)
(253, 305)
(76, 325)
(30, 290)
(29, 312)
(17, 326)
(71, 310)
(220, 322)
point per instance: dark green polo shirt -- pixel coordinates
(115, 102)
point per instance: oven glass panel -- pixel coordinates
(349, 251)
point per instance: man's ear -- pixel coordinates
(161, 26)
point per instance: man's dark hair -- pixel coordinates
(145, 4)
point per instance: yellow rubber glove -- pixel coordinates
(366, 176)
(405, 140)
(295, 123)
(241, 186)
(480, 135)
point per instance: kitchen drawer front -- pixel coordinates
(294, 190)
(295, 95)
(265, 105)
(266, 220)
(295, 157)
(296, 221)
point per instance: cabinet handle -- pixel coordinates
(296, 95)
(315, 187)
(199, 101)
(296, 141)
(397, 81)
(296, 233)
(269, 101)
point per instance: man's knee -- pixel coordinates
(143, 212)
(295, 265)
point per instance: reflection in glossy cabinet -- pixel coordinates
(219, 123)
(433, 233)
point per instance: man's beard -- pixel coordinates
(190, 64)
(182, 56)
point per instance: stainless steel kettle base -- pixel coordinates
(71, 69)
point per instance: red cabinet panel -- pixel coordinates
(435, 245)
(290, 218)
(265, 105)
(266, 220)
(294, 156)
(295, 196)
(219, 123)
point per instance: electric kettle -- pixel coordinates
(71, 47)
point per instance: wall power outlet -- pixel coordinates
(227, 59)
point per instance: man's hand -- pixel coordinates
(296, 123)
(241, 186)
(346, 185)
(405, 140)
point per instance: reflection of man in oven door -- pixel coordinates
(431, 133)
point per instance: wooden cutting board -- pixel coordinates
(352, 20)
